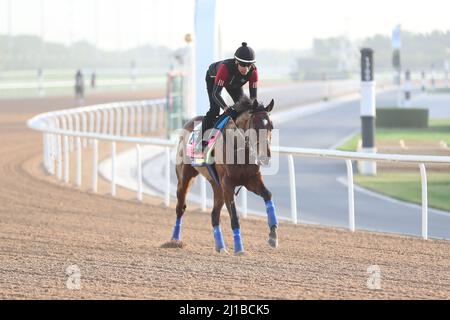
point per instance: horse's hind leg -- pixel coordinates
(215, 218)
(185, 174)
(257, 186)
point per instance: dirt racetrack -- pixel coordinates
(46, 226)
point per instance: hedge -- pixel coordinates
(402, 118)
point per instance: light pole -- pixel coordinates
(368, 111)
(424, 84)
(205, 48)
(408, 87)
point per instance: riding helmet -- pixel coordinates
(245, 54)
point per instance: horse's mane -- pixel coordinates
(246, 104)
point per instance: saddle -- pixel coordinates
(194, 146)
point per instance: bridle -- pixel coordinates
(253, 151)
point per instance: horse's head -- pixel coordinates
(258, 126)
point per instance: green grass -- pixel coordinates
(351, 144)
(438, 130)
(406, 186)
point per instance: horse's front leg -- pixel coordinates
(215, 219)
(257, 186)
(228, 192)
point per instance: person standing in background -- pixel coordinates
(79, 87)
(93, 80)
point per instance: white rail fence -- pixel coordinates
(71, 130)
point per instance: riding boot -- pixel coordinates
(200, 142)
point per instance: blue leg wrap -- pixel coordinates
(177, 230)
(238, 246)
(220, 244)
(271, 216)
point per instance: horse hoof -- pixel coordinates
(273, 242)
(222, 251)
(239, 253)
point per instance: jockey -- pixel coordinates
(231, 74)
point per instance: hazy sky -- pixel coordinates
(282, 24)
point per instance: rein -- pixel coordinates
(247, 144)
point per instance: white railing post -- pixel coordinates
(84, 127)
(351, 196)
(145, 110)
(49, 149)
(111, 121)
(167, 176)
(66, 159)
(203, 193)
(423, 175)
(139, 120)
(139, 172)
(52, 151)
(64, 122)
(244, 196)
(79, 146)
(65, 126)
(113, 168)
(45, 148)
(71, 128)
(293, 189)
(94, 165)
(52, 154)
(105, 121)
(118, 120)
(77, 122)
(91, 125)
(160, 116)
(125, 121)
(154, 117)
(59, 158)
(98, 118)
(132, 120)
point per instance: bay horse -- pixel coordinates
(251, 116)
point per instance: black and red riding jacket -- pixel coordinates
(226, 74)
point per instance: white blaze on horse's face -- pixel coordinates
(263, 127)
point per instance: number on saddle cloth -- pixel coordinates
(195, 141)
